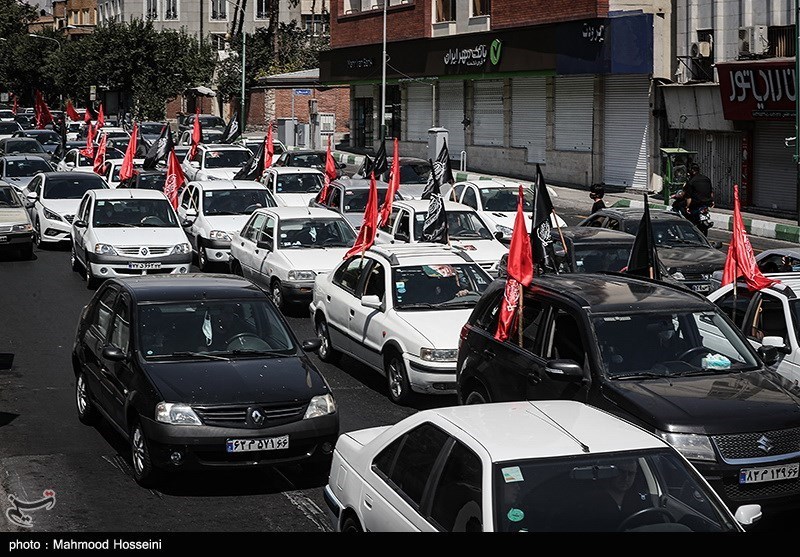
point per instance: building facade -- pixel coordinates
(75, 17)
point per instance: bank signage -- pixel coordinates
(758, 90)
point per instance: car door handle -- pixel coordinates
(368, 502)
(328, 298)
(488, 354)
(534, 378)
(352, 313)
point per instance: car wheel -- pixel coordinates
(477, 396)
(91, 281)
(73, 259)
(326, 352)
(37, 233)
(145, 474)
(26, 253)
(87, 413)
(351, 524)
(276, 293)
(202, 258)
(397, 379)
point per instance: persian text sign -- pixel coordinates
(757, 90)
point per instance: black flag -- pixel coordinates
(159, 149)
(366, 167)
(254, 167)
(231, 132)
(434, 229)
(381, 165)
(643, 260)
(441, 173)
(541, 242)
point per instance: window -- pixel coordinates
(769, 320)
(254, 225)
(102, 312)
(186, 197)
(481, 7)
(736, 306)
(384, 462)
(457, 499)
(170, 9)
(262, 9)
(121, 328)
(782, 41)
(564, 339)
(151, 9)
(470, 199)
(316, 24)
(349, 273)
(335, 198)
(387, 227)
(376, 282)
(403, 231)
(219, 10)
(533, 314)
(445, 10)
(268, 232)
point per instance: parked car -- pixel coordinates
(26, 121)
(349, 197)
(414, 174)
(111, 169)
(252, 140)
(496, 202)
(305, 158)
(118, 233)
(6, 115)
(214, 211)
(293, 186)
(116, 137)
(211, 135)
(53, 199)
(74, 130)
(74, 161)
(151, 131)
(465, 229)
(399, 310)
(206, 375)
(770, 261)
(8, 129)
(22, 146)
(216, 162)
(685, 252)
(207, 122)
(283, 249)
(49, 139)
(19, 170)
(652, 353)
(16, 231)
(146, 179)
(545, 466)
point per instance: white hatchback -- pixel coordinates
(294, 186)
(216, 162)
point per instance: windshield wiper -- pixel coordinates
(457, 303)
(117, 224)
(252, 352)
(639, 375)
(197, 355)
(687, 242)
(417, 305)
(223, 213)
(705, 371)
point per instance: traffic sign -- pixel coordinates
(303, 92)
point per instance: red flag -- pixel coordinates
(100, 118)
(394, 185)
(366, 234)
(43, 116)
(197, 134)
(741, 260)
(72, 114)
(330, 173)
(88, 151)
(519, 270)
(269, 150)
(87, 116)
(175, 178)
(126, 171)
(100, 155)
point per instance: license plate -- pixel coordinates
(248, 445)
(154, 265)
(768, 474)
(3, 238)
(701, 287)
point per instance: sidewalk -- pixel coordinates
(756, 225)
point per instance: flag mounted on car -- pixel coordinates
(101, 119)
(331, 173)
(643, 260)
(197, 134)
(441, 172)
(367, 165)
(41, 110)
(541, 241)
(380, 165)
(254, 167)
(231, 132)
(88, 151)
(394, 186)
(127, 171)
(434, 228)
(369, 226)
(72, 114)
(175, 178)
(159, 150)
(100, 155)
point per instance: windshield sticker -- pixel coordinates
(401, 287)
(617, 318)
(715, 361)
(512, 474)
(209, 193)
(101, 203)
(313, 234)
(439, 271)
(515, 515)
(207, 330)
(213, 154)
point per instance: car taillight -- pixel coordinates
(463, 335)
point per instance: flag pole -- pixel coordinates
(561, 235)
(534, 231)
(519, 312)
(733, 315)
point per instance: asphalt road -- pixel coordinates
(44, 446)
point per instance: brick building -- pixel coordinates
(75, 17)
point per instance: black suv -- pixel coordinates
(658, 355)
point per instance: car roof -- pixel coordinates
(294, 170)
(543, 429)
(126, 193)
(593, 234)
(301, 212)
(494, 183)
(307, 152)
(793, 252)
(421, 253)
(422, 205)
(638, 213)
(167, 288)
(20, 157)
(67, 174)
(359, 184)
(209, 185)
(222, 147)
(112, 129)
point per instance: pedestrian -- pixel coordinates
(698, 195)
(596, 193)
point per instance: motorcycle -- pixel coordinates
(700, 216)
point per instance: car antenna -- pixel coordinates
(584, 447)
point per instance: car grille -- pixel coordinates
(696, 276)
(236, 415)
(5, 229)
(742, 494)
(136, 250)
(144, 272)
(69, 218)
(746, 445)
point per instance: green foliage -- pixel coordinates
(21, 57)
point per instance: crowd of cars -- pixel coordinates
(692, 388)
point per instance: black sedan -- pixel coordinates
(201, 372)
(49, 139)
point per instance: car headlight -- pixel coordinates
(321, 405)
(302, 275)
(504, 230)
(677, 275)
(48, 214)
(21, 228)
(690, 445)
(219, 235)
(176, 414)
(181, 249)
(438, 355)
(104, 249)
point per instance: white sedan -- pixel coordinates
(545, 466)
(293, 186)
(216, 162)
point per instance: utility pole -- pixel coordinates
(797, 105)
(383, 78)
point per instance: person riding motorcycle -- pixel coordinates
(695, 199)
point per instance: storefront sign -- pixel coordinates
(475, 56)
(758, 90)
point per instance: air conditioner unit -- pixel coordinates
(700, 49)
(753, 39)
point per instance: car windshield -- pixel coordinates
(152, 181)
(209, 136)
(672, 232)
(210, 122)
(234, 202)
(151, 129)
(8, 127)
(315, 233)
(112, 153)
(8, 198)
(300, 182)
(26, 167)
(580, 493)
(355, 201)
(231, 158)
(671, 344)
(115, 172)
(47, 138)
(463, 225)
(504, 200)
(138, 213)
(307, 160)
(23, 146)
(592, 258)
(277, 149)
(226, 328)
(438, 286)
(414, 173)
(72, 188)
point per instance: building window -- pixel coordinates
(262, 9)
(151, 9)
(316, 24)
(218, 41)
(170, 9)
(351, 6)
(445, 10)
(481, 7)
(219, 9)
(782, 41)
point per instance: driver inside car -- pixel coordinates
(228, 323)
(670, 346)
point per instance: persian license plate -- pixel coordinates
(153, 265)
(768, 474)
(3, 238)
(701, 287)
(248, 445)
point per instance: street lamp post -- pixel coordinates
(244, 59)
(383, 75)
(797, 104)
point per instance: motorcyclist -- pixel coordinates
(695, 199)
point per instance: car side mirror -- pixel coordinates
(716, 245)
(402, 237)
(264, 244)
(191, 214)
(371, 301)
(341, 166)
(80, 224)
(564, 370)
(32, 196)
(186, 223)
(194, 164)
(769, 354)
(747, 515)
(113, 354)
(499, 236)
(70, 165)
(311, 345)
(776, 342)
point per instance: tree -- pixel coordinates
(22, 58)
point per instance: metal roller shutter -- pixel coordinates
(419, 112)
(529, 116)
(487, 125)
(574, 113)
(451, 114)
(774, 174)
(626, 127)
(362, 91)
(720, 159)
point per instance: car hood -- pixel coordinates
(440, 327)
(220, 173)
(227, 223)
(140, 236)
(481, 251)
(708, 405)
(295, 199)
(355, 219)
(62, 206)
(18, 182)
(319, 260)
(13, 216)
(236, 381)
(690, 258)
(507, 219)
